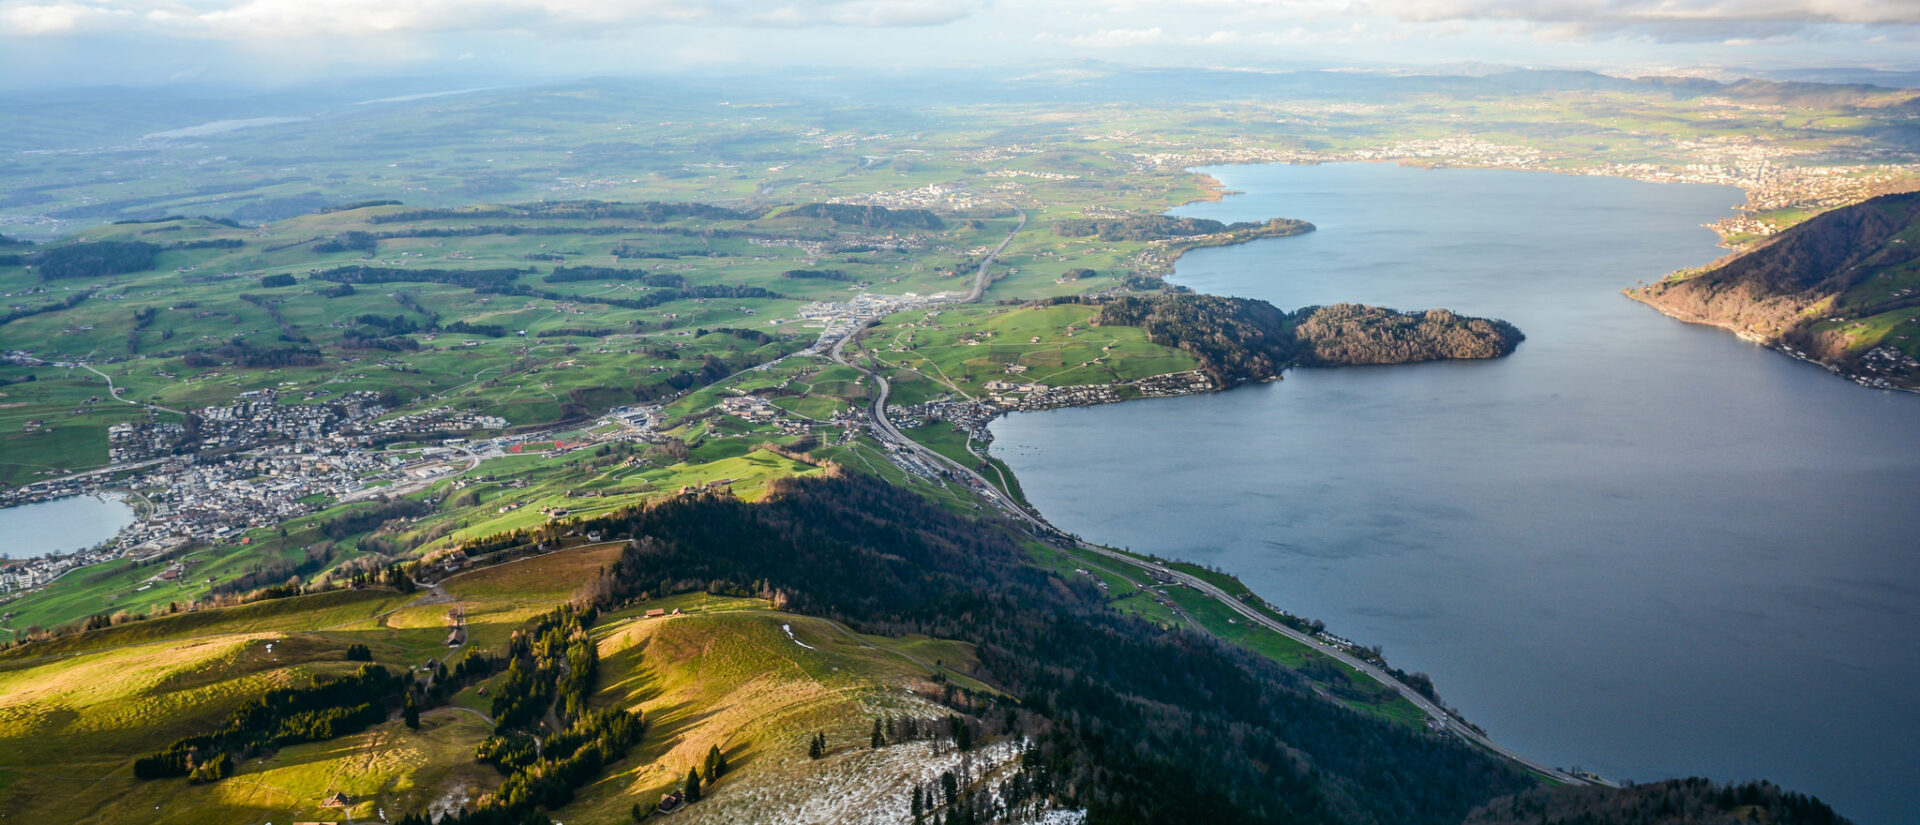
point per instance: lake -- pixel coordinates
(1635, 546)
(61, 525)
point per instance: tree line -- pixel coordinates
(567, 274)
(1242, 339)
(650, 211)
(1134, 723)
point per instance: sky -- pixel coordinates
(265, 43)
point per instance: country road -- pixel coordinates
(884, 429)
(980, 275)
(114, 392)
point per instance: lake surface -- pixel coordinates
(62, 525)
(1635, 546)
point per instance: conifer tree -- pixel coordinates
(693, 785)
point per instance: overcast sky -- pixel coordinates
(272, 42)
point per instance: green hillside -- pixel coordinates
(1843, 288)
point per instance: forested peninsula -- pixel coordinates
(1240, 339)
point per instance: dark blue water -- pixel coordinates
(1636, 546)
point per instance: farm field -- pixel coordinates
(962, 350)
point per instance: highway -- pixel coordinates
(884, 429)
(980, 275)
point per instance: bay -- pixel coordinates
(1635, 546)
(61, 525)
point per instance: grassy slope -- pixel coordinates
(725, 673)
(958, 351)
(722, 672)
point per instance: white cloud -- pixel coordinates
(290, 19)
(1118, 38)
(56, 18)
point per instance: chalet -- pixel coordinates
(337, 800)
(656, 613)
(670, 802)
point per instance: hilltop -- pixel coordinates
(560, 440)
(1843, 289)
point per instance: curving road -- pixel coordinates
(114, 391)
(884, 429)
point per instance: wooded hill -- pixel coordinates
(1836, 286)
(1134, 723)
(1167, 227)
(1692, 801)
(1241, 339)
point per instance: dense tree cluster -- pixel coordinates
(871, 217)
(351, 241)
(349, 207)
(575, 332)
(1692, 801)
(1236, 339)
(471, 278)
(1359, 334)
(565, 274)
(482, 330)
(313, 560)
(242, 353)
(68, 302)
(650, 211)
(327, 708)
(95, 259)
(362, 519)
(1166, 227)
(646, 301)
(550, 669)
(1127, 720)
(209, 243)
(550, 665)
(1241, 339)
(752, 336)
(817, 274)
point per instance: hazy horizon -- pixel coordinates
(264, 44)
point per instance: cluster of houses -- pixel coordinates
(750, 407)
(1013, 395)
(255, 420)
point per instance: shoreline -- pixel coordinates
(1215, 191)
(1763, 342)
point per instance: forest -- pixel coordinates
(1693, 801)
(1358, 334)
(871, 217)
(649, 211)
(1241, 339)
(1134, 723)
(327, 708)
(1165, 227)
(94, 260)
